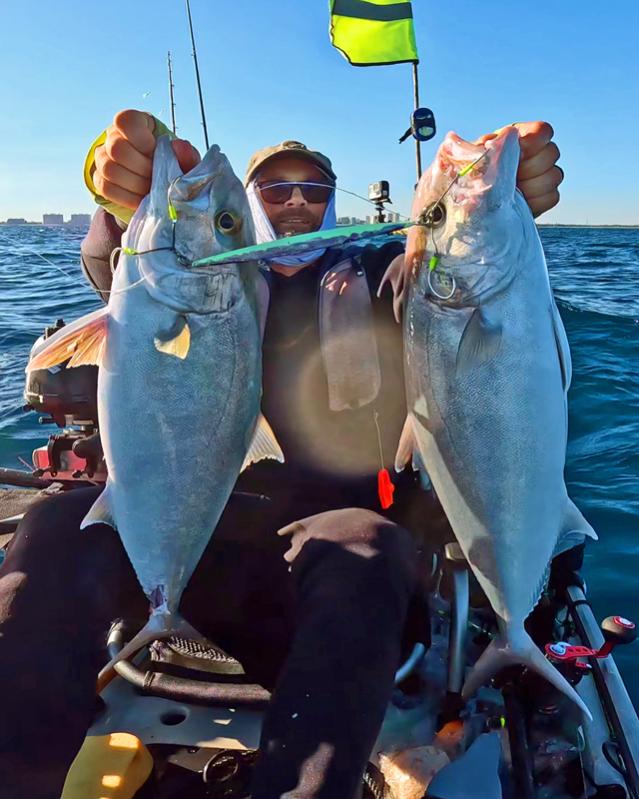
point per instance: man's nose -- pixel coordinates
(296, 199)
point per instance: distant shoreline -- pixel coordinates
(539, 224)
(562, 224)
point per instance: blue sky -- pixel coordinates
(269, 74)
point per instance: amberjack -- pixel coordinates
(487, 370)
(179, 381)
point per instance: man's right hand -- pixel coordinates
(123, 164)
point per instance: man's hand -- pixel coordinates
(538, 176)
(123, 164)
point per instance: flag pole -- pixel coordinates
(418, 146)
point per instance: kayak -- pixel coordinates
(197, 713)
(183, 717)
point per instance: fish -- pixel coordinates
(487, 371)
(179, 379)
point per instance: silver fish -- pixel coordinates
(487, 373)
(179, 383)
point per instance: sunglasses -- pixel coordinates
(279, 192)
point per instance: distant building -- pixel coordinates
(389, 216)
(349, 220)
(16, 221)
(52, 219)
(79, 220)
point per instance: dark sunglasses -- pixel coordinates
(278, 192)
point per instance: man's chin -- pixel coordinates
(295, 228)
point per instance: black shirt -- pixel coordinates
(336, 452)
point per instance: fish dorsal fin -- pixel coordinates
(479, 341)
(563, 350)
(100, 512)
(179, 342)
(264, 445)
(82, 341)
(407, 445)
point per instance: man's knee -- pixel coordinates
(357, 532)
(50, 529)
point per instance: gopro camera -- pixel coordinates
(379, 192)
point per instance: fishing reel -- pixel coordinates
(67, 398)
(616, 630)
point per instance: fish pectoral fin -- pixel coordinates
(81, 341)
(407, 445)
(264, 444)
(100, 512)
(177, 341)
(479, 341)
(574, 531)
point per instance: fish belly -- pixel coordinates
(174, 433)
(492, 438)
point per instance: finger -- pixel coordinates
(291, 529)
(186, 154)
(122, 152)
(137, 128)
(119, 175)
(488, 136)
(539, 205)
(291, 554)
(533, 137)
(116, 194)
(542, 184)
(540, 163)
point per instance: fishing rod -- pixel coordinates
(171, 92)
(197, 74)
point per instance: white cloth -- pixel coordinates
(264, 230)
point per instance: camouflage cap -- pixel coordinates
(288, 147)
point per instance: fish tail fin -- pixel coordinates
(503, 652)
(163, 624)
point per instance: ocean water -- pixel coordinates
(594, 273)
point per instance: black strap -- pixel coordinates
(360, 9)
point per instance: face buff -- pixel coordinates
(264, 230)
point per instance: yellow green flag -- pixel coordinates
(373, 32)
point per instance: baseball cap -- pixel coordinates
(289, 147)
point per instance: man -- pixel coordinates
(316, 613)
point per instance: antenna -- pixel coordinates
(197, 75)
(171, 92)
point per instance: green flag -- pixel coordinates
(373, 32)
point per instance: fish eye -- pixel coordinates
(434, 216)
(228, 223)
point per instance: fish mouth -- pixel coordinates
(477, 165)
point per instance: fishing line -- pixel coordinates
(336, 188)
(426, 219)
(35, 252)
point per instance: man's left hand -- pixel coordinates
(538, 176)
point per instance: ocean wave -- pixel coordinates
(604, 311)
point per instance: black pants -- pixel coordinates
(324, 634)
